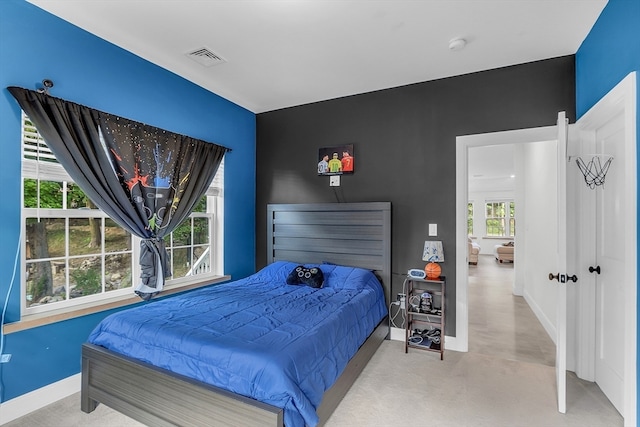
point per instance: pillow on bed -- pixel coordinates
(310, 276)
(347, 277)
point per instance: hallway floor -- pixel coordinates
(501, 324)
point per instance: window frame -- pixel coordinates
(470, 217)
(511, 218)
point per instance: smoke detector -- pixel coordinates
(205, 57)
(457, 44)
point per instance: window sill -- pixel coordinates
(36, 320)
(498, 238)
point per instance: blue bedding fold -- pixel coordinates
(281, 344)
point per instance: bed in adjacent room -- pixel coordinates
(280, 347)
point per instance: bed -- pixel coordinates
(159, 388)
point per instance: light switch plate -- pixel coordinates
(433, 229)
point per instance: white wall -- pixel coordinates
(540, 229)
(520, 255)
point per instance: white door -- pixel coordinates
(610, 257)
(560, 273)
(609, 128)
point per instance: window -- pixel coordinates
(512, 219)
(470, 219)
(500, 219)
(74, 253)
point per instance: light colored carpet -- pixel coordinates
(465, 389)
(417, 389)
(506, 379)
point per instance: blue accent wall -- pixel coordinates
(35, 45)
(609, 53)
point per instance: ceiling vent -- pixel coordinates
(205, 57)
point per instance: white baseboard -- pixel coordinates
(544, 320)
(453, 344)
(397, 334)
(22, 405)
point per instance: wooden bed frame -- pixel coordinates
(354, 234)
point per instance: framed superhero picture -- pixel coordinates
(336, 160)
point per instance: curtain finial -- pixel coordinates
(47, 84)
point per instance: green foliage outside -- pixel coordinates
(201, 206)
(51, 195)
(88, 282)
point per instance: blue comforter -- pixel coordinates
(259, 337)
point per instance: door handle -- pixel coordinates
(563, 278)
(597, 269)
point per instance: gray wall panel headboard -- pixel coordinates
(353, 234)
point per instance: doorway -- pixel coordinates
(464, 144)
(582, 299)
(502, 323)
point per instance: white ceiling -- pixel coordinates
(491, 168)
(282, 53)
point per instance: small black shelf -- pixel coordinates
(418, 321)
(420, 315)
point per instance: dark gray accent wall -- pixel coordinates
(404, 147)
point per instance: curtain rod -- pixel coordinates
(47, 84)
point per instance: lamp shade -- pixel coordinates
(433, 251)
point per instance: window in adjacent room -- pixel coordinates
(74, 253)
(470, 219)
(500, 218)
(512, 219)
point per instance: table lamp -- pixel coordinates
(433, 253)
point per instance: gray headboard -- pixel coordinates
(353, 234)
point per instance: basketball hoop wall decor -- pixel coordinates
(595, 170)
